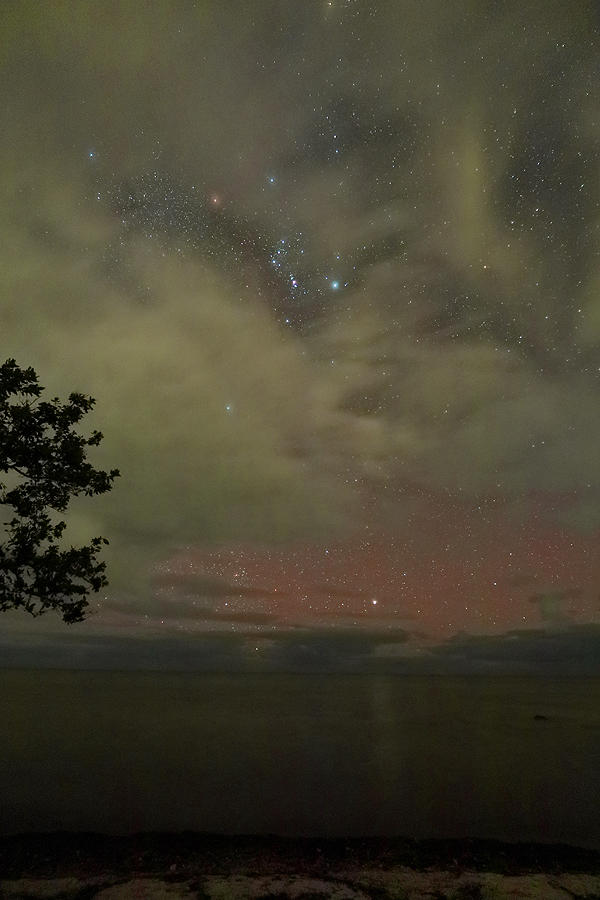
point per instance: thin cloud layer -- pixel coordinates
(307, 260)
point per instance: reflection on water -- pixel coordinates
(501, 757)
(331, 272)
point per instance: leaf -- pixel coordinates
(48, 458)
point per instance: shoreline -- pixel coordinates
(181, 856)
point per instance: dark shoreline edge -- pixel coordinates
(189, 854)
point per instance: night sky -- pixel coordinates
(330, 269)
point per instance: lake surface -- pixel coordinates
(507, 757)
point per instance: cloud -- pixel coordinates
(199, 395)
(460, 349)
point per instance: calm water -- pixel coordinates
(301, 755)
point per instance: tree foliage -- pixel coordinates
(46, 458)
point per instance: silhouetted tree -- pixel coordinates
(46, 459)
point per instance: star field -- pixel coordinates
(331, 271)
